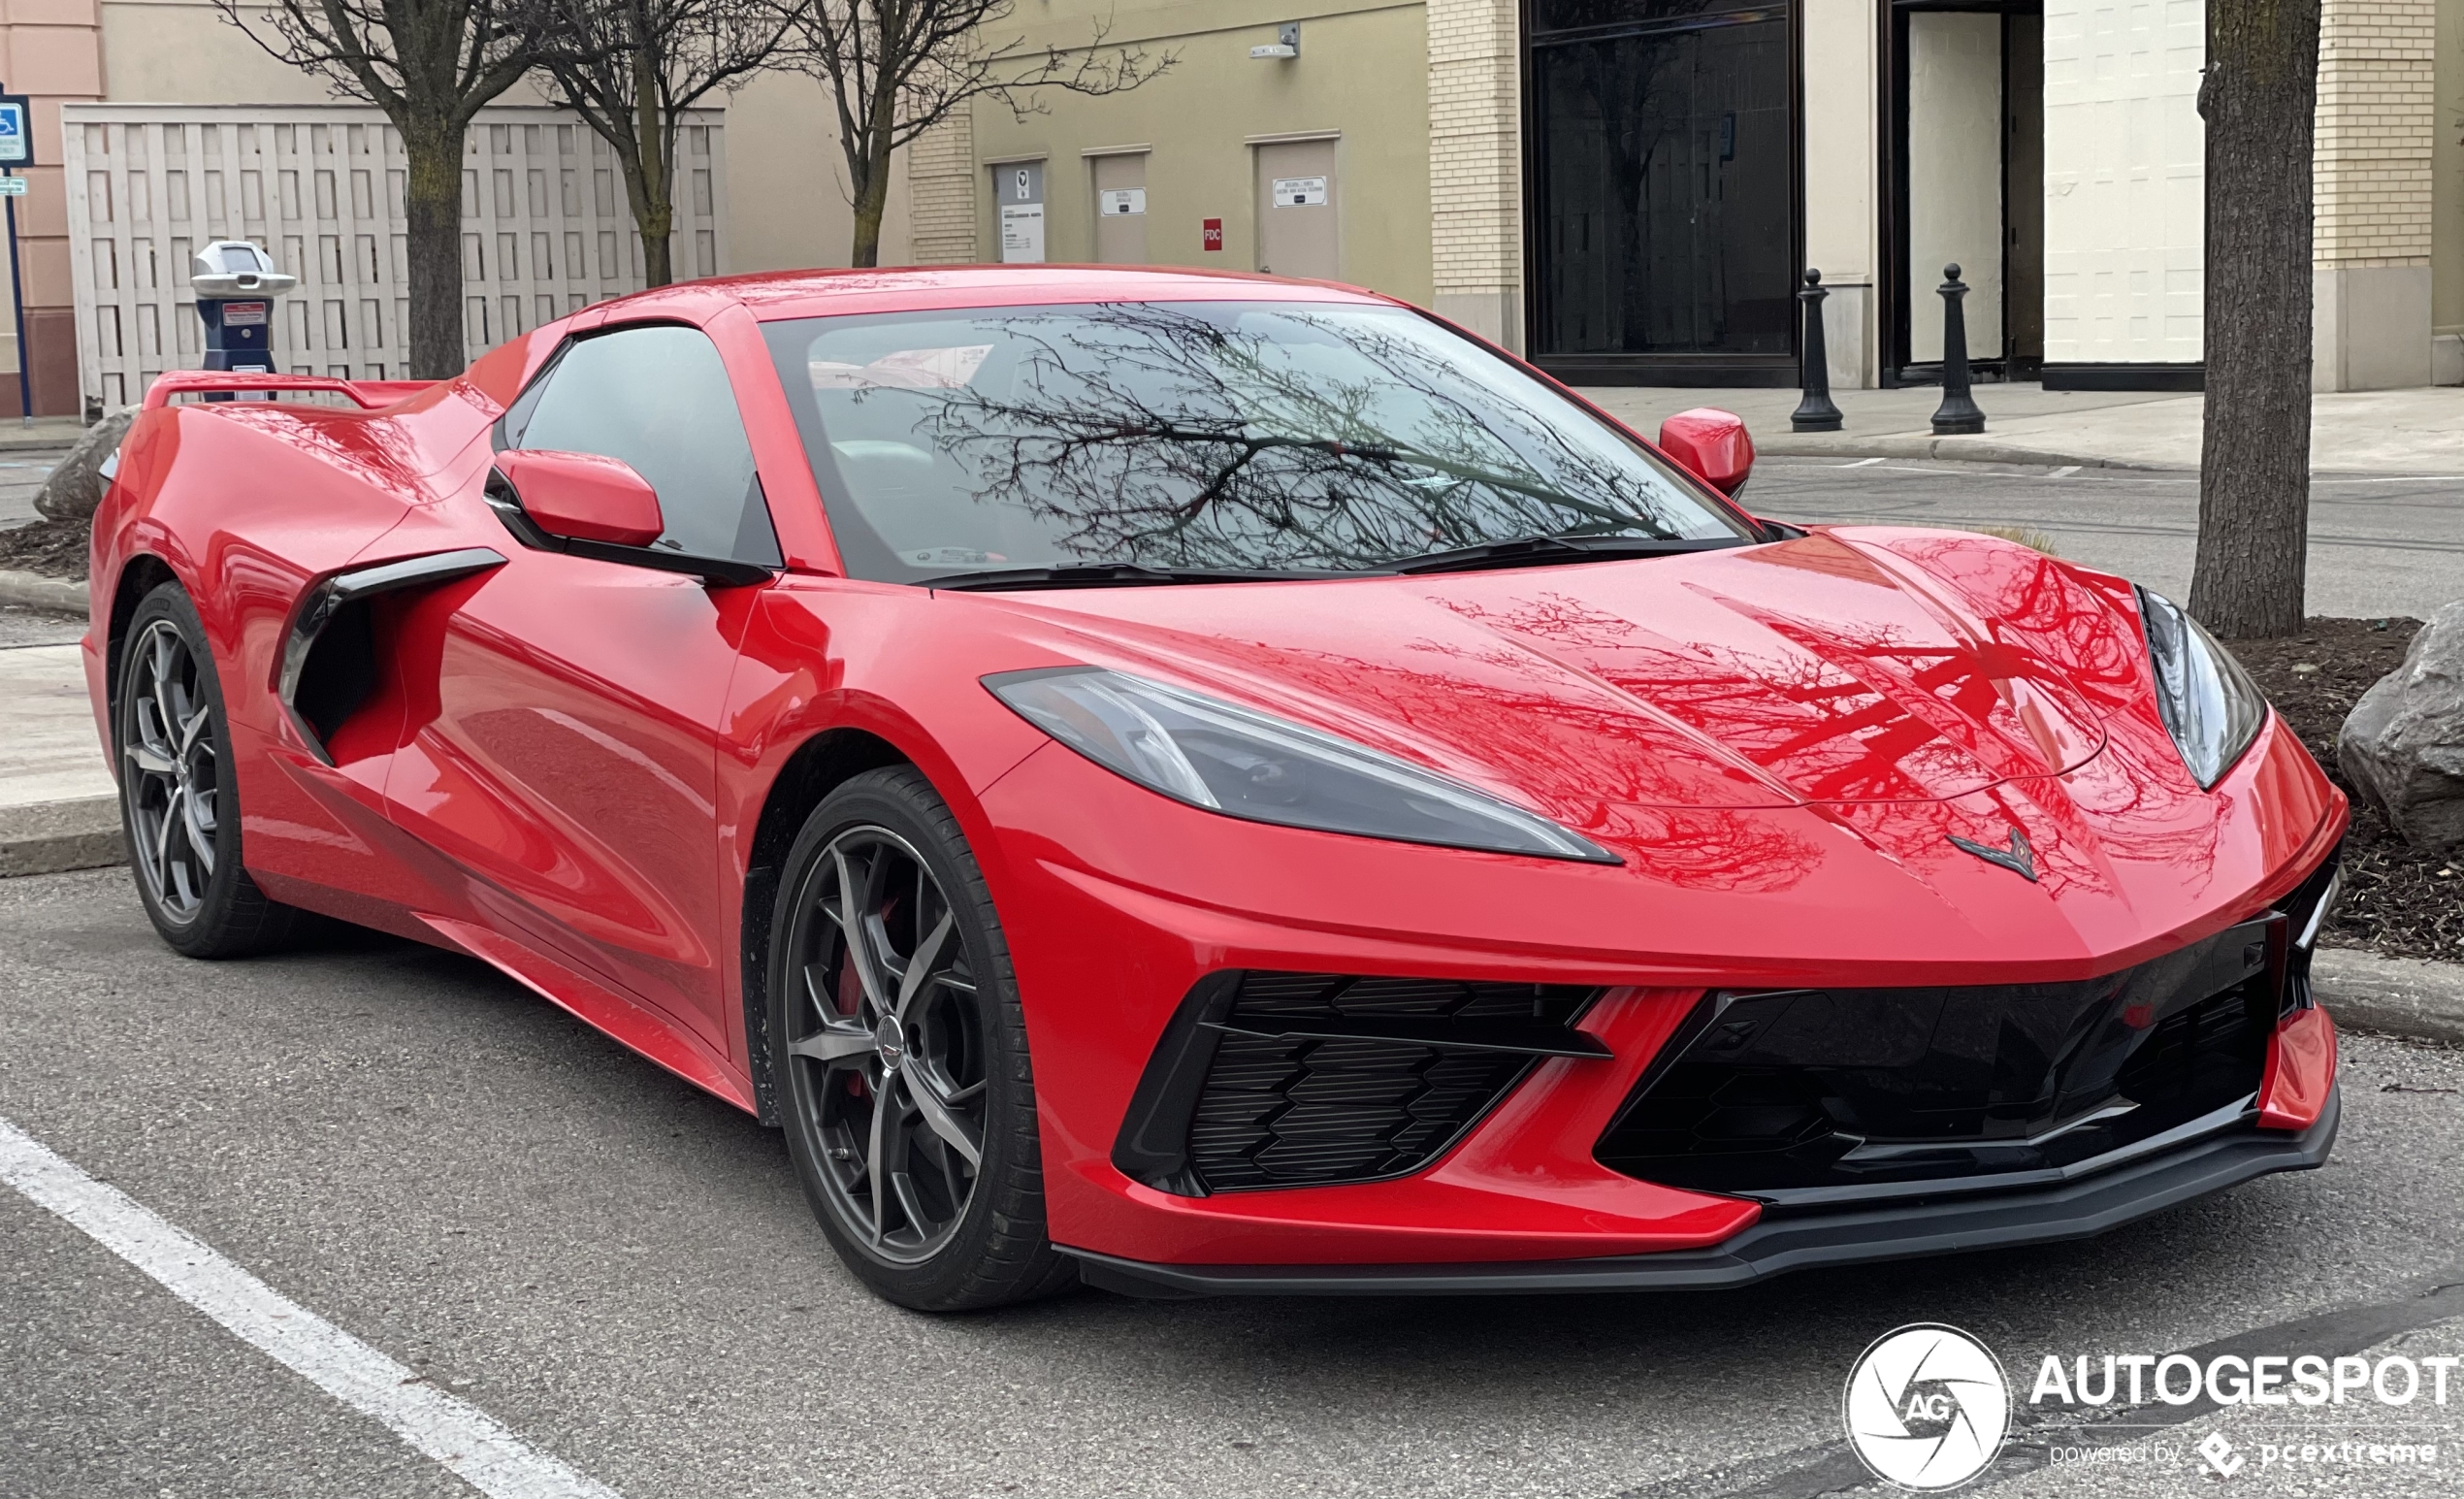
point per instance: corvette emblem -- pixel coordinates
(2019, 858)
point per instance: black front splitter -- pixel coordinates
(2076, 1209)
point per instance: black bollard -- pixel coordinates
(1957, 413)
(1816, 413)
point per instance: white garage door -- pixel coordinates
(2125, 183)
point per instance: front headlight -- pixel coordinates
(2209, 703)
(1245, 764)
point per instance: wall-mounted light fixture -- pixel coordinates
(1287, 42)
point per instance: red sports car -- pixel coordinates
(1209, 784)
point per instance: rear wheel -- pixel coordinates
(901, 1054)
(179, 802)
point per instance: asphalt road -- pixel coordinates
(622, 1272)
(2378, 544)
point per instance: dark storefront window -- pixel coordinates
(1663, 187)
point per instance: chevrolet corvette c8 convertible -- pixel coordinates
(1208, 784)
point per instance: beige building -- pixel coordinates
(1626, 190)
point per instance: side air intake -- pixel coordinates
(1268, 1080)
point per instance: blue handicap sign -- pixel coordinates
(14, 147)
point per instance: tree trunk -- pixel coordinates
(432, 151)
(654, 216)
(872, 200)
(2261, 90)
(872, 175)
(651, 174)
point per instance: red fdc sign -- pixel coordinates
(1211, 234)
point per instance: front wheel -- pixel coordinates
(901, 1054)
(179, 801)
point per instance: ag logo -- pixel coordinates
(1927, 1406)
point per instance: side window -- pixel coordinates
(657, 398)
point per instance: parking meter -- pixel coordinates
(236, 284)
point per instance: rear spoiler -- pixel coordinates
(368, 394)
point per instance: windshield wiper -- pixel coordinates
(1106, 575)
(1524, 551)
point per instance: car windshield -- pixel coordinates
(1224, 438)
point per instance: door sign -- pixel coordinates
(1018, 190)
(1124, 200)
(1300, 192)
(1021, 234)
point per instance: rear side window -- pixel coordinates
(657, 398)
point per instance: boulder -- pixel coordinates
(75, 489)
(2403, 744)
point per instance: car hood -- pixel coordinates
(1851, 666)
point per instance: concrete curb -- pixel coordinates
(2405, 996)
(34, 590)
(1924, 445)
(50, 837)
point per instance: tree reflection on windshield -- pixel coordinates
(1199, 436)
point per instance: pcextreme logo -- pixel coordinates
(1927, 1406)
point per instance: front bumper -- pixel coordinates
(2075, 1210)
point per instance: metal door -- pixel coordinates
(1120, 208)
(1299, 209)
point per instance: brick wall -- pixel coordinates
(53, 50)
(942, 174)
(1474, 151)
(2377, 105)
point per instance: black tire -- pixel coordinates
(935, 1031)
(178, 800)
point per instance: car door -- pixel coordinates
(565, 760)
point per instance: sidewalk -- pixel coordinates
(44, 432)
(59, 806)
(2352, 432)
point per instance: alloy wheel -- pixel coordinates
(887, 1043)
(173, 771)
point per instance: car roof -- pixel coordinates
(786, 294)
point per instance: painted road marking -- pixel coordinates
(1862, 463)
(465, 1440)
(2067, 471)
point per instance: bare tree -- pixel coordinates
(430, 65)
(631, 67)
(896, 68)
(2261, 90)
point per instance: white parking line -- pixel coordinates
(1862, 463)
(2065, 470)
(473, 1444)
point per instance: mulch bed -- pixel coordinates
(54, 548)
(2398, 900)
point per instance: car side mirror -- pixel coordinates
(1713, 445)
(584, 497)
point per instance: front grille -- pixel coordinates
(1813, 1094)
(1315, 1079)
